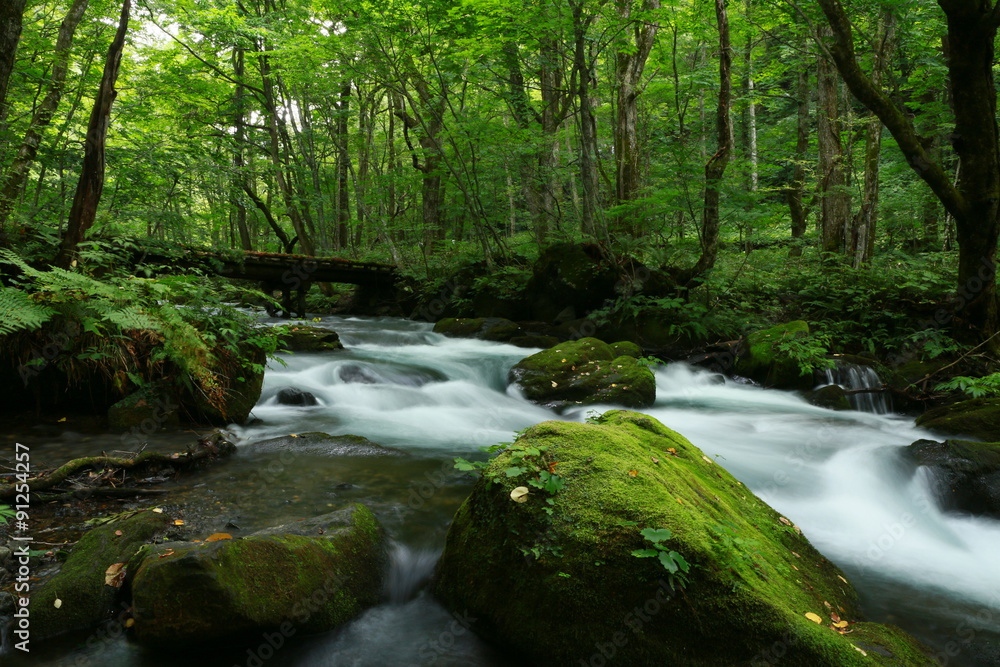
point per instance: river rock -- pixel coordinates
(312, 575)
(147, 410)
(496, 329)
(555, 577)
(316, 442)
(760, 359)
(585, 372)
(86, 600)
(294, 396)
(967, 473)
(976, 418)
(832, 396)
(305, 338)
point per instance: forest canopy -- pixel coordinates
(410, 131)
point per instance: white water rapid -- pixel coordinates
(840, 476)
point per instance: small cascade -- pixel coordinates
(863, 386)
(409, 571)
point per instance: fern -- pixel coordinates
(19, 312)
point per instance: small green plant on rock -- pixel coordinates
(674, 563)
(988, 385)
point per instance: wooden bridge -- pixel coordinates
(291, 275)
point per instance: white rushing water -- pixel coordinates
(840, 476)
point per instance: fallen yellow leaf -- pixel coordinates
(706, 458)
(633, 473)
(178, 522)
(129, 622)
(840, 624)
(215, 537)
(57, 603)
(815, 618)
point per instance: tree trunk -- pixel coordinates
(835, 199)
(588, 124)
(630, 61)
(715, 168)
(795, 194)
(343, 168)
(17, 173)
(863, 226)
(11, 13)
(239, 163)
(974, 201)
(88, 190)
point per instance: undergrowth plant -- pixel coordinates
(133, 329)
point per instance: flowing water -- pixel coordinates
(840, 476)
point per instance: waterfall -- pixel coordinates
(863, 386)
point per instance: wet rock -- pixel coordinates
(310, 576)
(294, 396)
(315, 442)
(357, 374)
(496, 329)
(831, 396)
(560, 583)
(967, 474)
(150, 409)
(584, 372)
(975, 418)
(534, 340)
(86, 600)
(305, 338)
(761, 359)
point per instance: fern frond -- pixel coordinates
(18, 311)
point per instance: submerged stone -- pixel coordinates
(309, 576)
(305, 338)
(584, 372)
(575, 582)
(295, 396)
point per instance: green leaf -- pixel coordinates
(646, 553)
(656, 535)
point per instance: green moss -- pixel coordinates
(761, 360)
(753, 575)
(626, 348)
(584, 372)
(459, 327)
(305, 338)
(318, 579)
(86, 600)
(976, 418)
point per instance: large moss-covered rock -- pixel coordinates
(565, 588)
(760, 358)
(976, 418)
(967, 473)
(584, 372)
(80, 585)
(314, 575)
(241, 387)
(306, 338)
(147, 409)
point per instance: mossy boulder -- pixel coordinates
(314, 441)
(305, 338)
(146, 410)
(564, 588)
(760, 358)
(584, 372)
(313, 575)
(967, 473)
(242, 378)
(80, 584)
(496, 329)
(976, 418)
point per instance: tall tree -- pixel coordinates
(11, 13)
(631, 53)
(835, 198)
(974, 200)
(91, 184)
(17, 173)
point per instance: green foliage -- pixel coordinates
(809, 352)
(6, 514)
(674, 563)
(524, 460)
(138, 328)
(974, 387)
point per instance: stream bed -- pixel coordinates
(839, 476)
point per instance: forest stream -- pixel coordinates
(840, 476)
